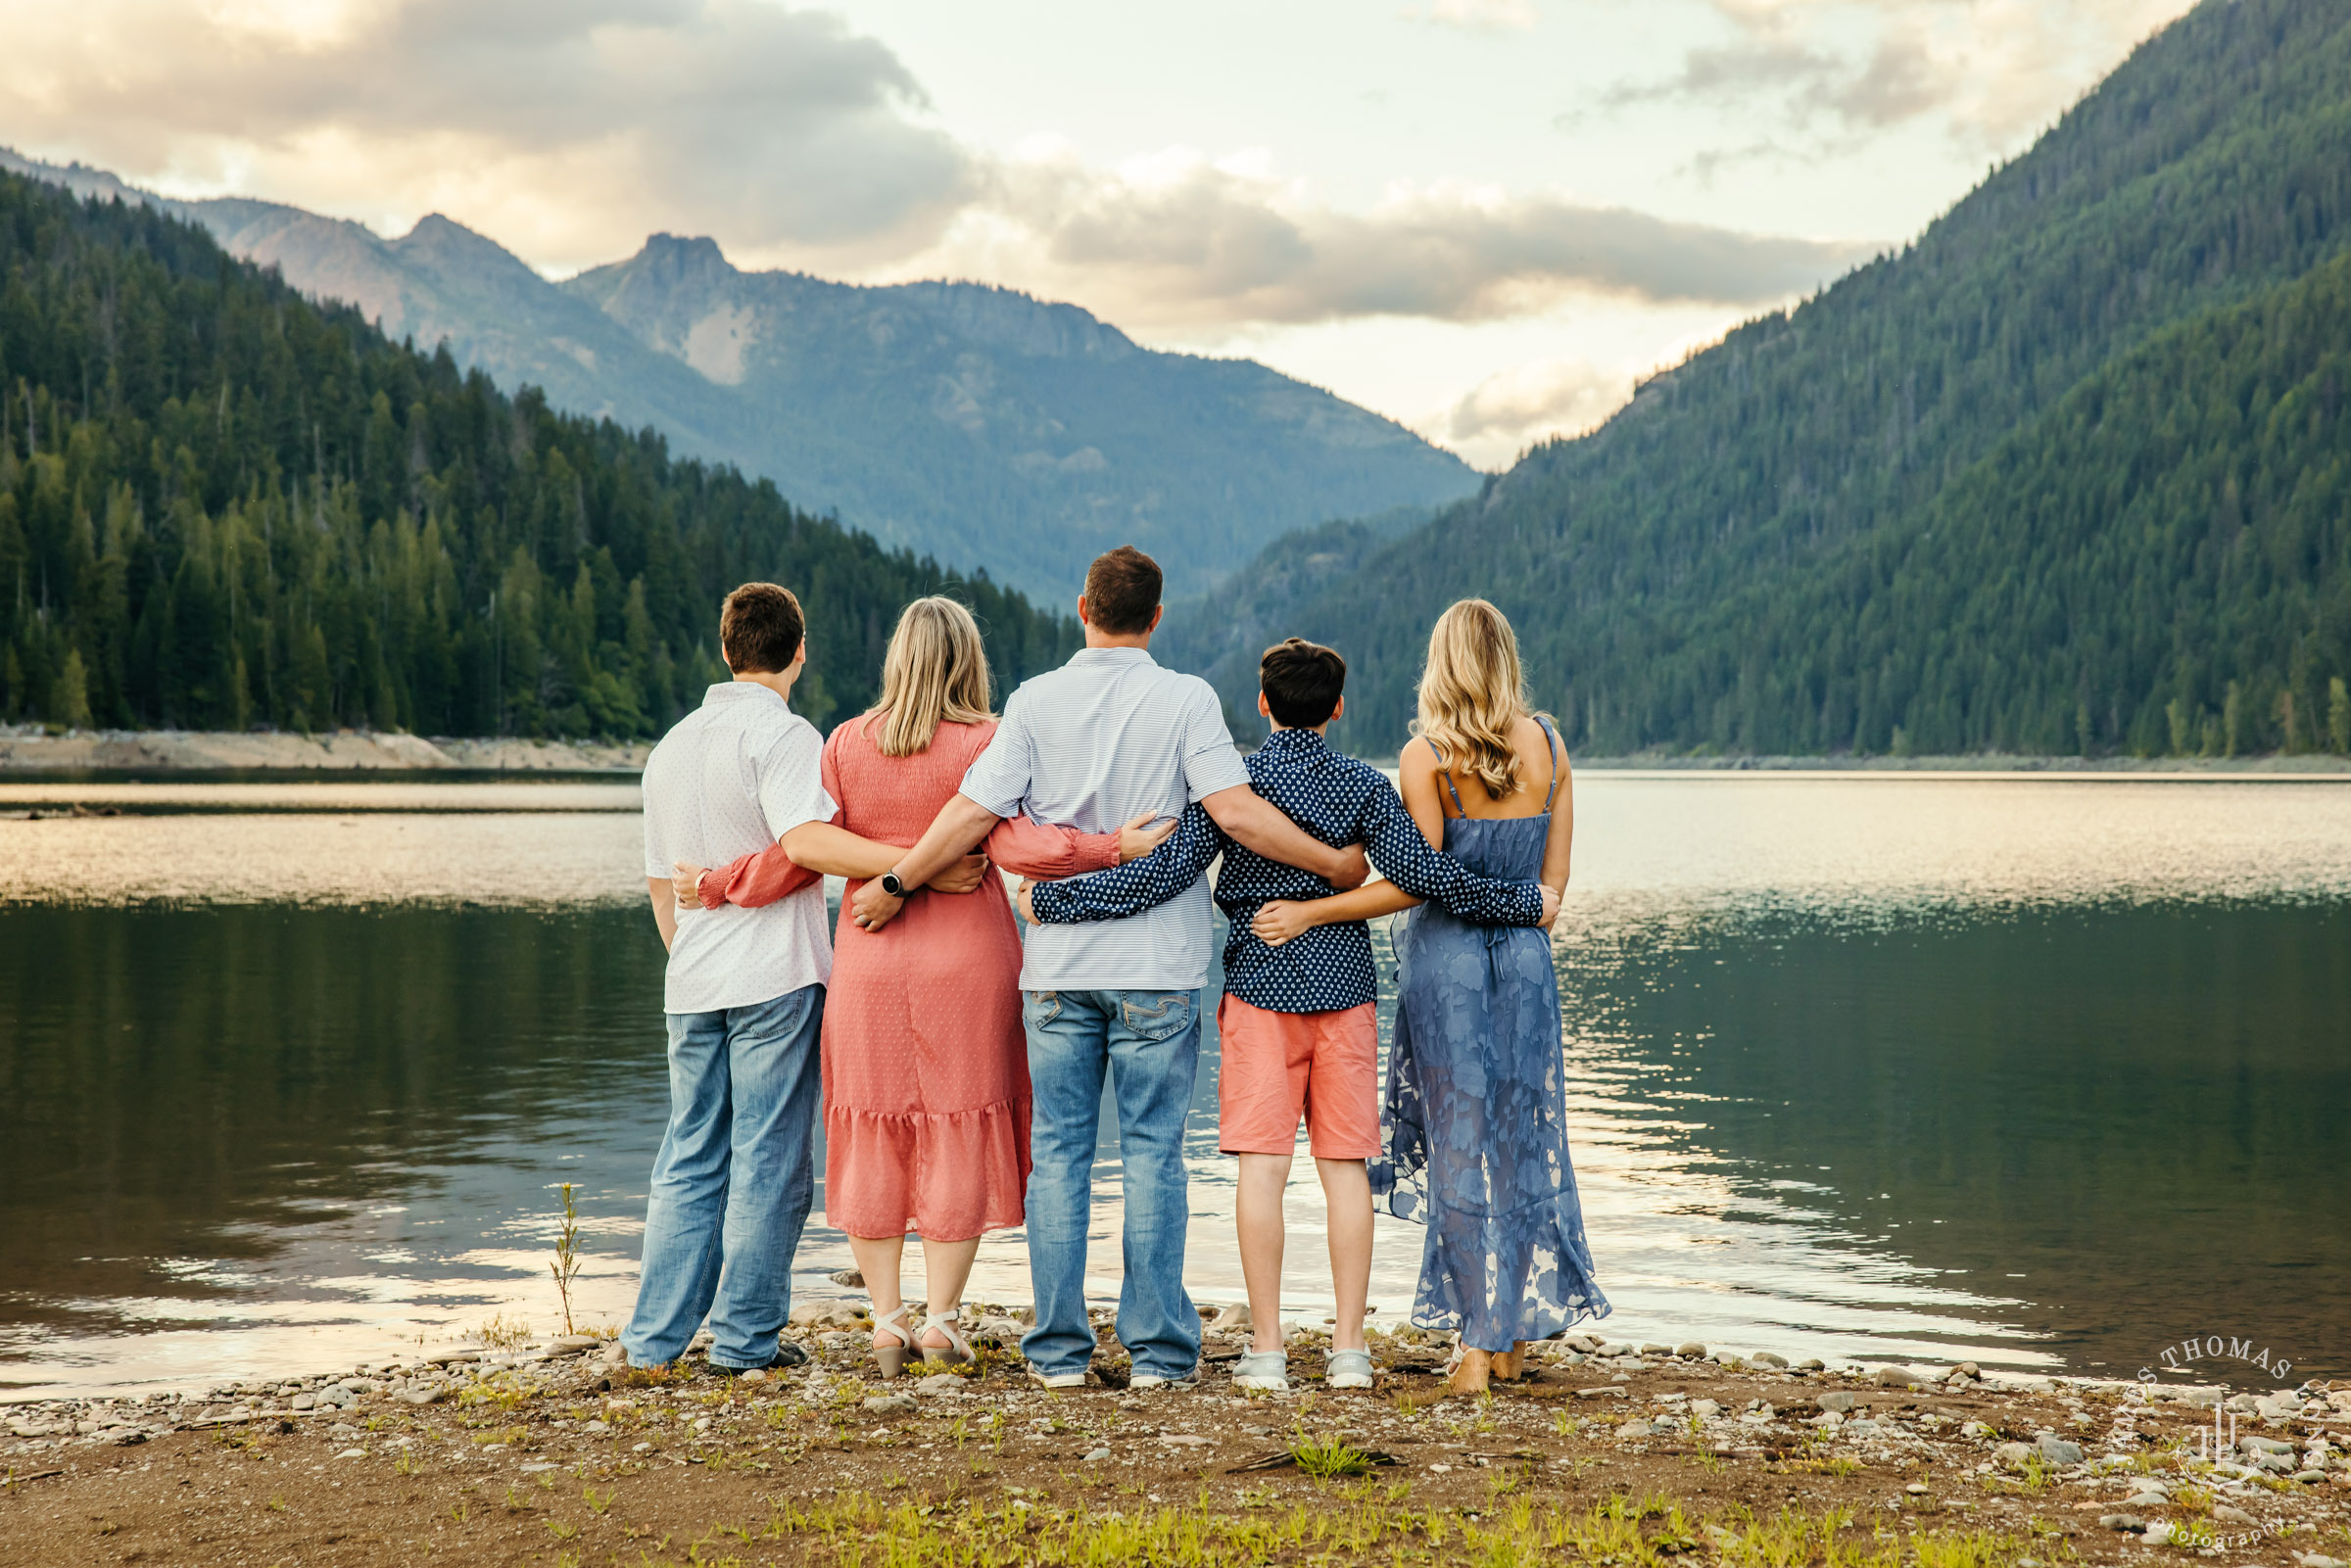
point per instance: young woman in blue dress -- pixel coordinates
(1475, 1117)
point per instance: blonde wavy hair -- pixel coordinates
(1472, 694)
(934, 673)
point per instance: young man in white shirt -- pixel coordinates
(744, 996)
(1110, 734)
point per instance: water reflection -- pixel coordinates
(1868, 1068)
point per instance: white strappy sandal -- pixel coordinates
(957, 1351)
(893, 1357)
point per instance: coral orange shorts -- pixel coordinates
(1275, 1065)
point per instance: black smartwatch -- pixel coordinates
(891, 885)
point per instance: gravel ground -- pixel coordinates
(1610, 1454)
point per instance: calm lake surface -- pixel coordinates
(2045, 1073)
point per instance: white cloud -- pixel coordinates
(1990, 70)
(565, 128)
(1178, 240)
(1513, 410)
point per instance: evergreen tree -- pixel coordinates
(222, 504)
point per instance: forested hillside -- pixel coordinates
(1961, 499)
(1004, 432)
(223, 505)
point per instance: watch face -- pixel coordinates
(891, 885)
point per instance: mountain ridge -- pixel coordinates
(972, 422)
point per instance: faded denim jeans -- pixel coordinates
(1149, 1043)
(732, 1182)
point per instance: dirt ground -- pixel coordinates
(1608, 1455)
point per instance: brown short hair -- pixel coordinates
(1122, 590)
(1301, 681)
(760, 628)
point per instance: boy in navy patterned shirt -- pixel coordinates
(1298, 1027)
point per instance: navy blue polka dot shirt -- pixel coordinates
(1339, 800)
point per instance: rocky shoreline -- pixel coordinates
(1619, 1454)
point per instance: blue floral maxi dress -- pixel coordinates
(1475, 1122)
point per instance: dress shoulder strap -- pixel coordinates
(1446, 775)
(1551, 738)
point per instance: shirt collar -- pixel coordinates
(1293, 740)
(741, 691)
(1121, 655)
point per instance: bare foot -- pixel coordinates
(1473, 1375)
(1510, 1366)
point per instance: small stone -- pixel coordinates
(1691, 1351)
(891, 1403)
(1811, 1363)
(1233, 1318)
(2159, 1533)
(2121, 1521)
(1768, 1359)
(1656, 1349)
(2313, 1560)
(1916, 1489)
(2310, 1477)
(573, 1344)
(1976, 1428)
(1969, 1369)
(1839, 1400)
(1094, 1454)
(941, 1383)
(537, 1467)
(2057, 1451)
(2265, 1445)
(424, 1396)
(848, 1278)
(305, 1401)
(756, 1374)
(1894, 1377)
(1635, 1428)
(1184, 1440)
(1861, 1427)
(643, 1447)
(1704, 1409)
(353, 1453)
(2230, 1516)
(823, 1314)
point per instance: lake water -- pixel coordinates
(2045, 1073)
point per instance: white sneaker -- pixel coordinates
(1152, 1380)
(1058, 1380)
(1348, 1369)
(1267, 1371)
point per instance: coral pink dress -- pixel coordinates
(926, 1063)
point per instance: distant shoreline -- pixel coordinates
(30, 748)
(26, 748)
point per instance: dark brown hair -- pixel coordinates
(759, 628)
(1301, 681)
(1122, 590)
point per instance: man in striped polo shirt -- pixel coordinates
(1106, 737)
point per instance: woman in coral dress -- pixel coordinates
(926, 1067)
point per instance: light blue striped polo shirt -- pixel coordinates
(1092, 745)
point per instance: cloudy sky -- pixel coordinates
(1482, 218)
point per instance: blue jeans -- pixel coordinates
(732, 1183)
(1149, 1041)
